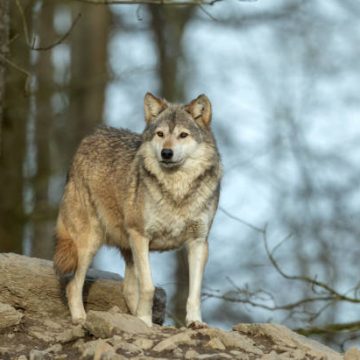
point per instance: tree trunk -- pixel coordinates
(4, 51)
(13, 132)
(89, 72)
(168, 24)
(43, 226)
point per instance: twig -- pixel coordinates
(231, 216)
(24, 23)
(61, 39)
(19, 68)
(31, 44)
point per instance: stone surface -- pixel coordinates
(191, 354)
(113, 335)
(46, 295)
(278, 335)
(89, 348)
(215, 344)
(103, 351)
(104, 324)
(171, 342)
(233, 339)
(144, 344)
(4, 350)
(352, 354)
(37, 355)
(127, 348)
(71, 334)
(9, 316)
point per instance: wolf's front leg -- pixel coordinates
(197, 258)
(140, 251)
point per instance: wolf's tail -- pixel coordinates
(66, 255)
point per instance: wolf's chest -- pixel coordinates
(167, 228)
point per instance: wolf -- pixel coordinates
(154, 191)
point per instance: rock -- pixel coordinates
(103, 351)
(60, 357)
(278, 335)
(54, 349)
(191, 354)
(144, 344)
(104, 324)
(9, 316)
(40, 334)
(128, 348)
(177, 353)
(45, 296)
(273, 355)
(36, 355)
(75, 332)
(233, 339)
(22, 357)
(48, 335)
(239, 355)
(352, 354)
(89, 348)
(171, 342)
(4, 350)
(215, 344)
(215, 356)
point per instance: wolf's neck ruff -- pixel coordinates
(183, 182)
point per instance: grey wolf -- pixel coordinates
(157, 190)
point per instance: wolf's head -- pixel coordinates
(178, 135)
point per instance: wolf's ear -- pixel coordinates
(200, 109)
(153, 106)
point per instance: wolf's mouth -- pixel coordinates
(170, 164)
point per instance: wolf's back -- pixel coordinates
(102, 159)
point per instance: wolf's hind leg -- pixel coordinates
(131, 286)
(74, 289)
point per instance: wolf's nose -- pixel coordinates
(167, 154)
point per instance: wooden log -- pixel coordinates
(31, 284)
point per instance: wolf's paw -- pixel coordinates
(146, 319)
(196, 325)
(79, 320)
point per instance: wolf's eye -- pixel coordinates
(160, 134)
(183, 135)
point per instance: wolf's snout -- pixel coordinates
(167, 154)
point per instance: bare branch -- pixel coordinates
(18, 68)
(151, 2)
(60, 40)
(335, 295)
(234, 297)
(330, 328)
(31, 43)
(241, 221)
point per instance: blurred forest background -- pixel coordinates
(283, 77)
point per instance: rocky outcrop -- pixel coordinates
(31, 285)
(9, 316)
(113, 335)
(28, 334)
